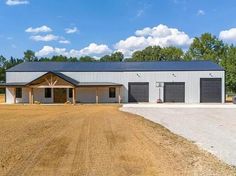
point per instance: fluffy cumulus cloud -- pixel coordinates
(16, 2)
(44, 38)
(43, 28)
(160, 35)
(49, 50)
(93, 49)
(71, 30)
(228, 35)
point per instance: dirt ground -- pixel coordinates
(2, 98)
(95, 141)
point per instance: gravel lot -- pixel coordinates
(213, 129)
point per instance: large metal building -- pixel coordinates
(115, 82)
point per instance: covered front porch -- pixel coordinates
(58, 88)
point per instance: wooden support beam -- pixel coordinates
(74, 95)
(119, 96)
(14, 95)
(96, 95)
(30, 95)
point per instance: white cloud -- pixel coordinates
(49, 50)
(71, 30)
(43, 28)
(16, 2)
(64, 41)
(45, 38)
(201, 12)
(45, 51)
(95, 50)
(228, 35)
(160, 35)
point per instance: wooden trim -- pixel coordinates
(74, 95)
(14, 95)
(31, 96)
(119, 96)
(43, 87)
(96, 95)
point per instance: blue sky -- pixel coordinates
(98, 27)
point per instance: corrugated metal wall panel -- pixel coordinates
(191, 79)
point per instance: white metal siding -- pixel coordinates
(10, 97)
(191, 79)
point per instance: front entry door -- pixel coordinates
(60, 95)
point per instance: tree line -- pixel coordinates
(205, 47)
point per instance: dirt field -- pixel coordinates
(2, 98)
(95, 141)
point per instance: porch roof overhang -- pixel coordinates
(98, 84)
(13, 84)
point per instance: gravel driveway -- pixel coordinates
(213, 129)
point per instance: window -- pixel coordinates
(48, 93)
(70, 93)
(18, 92)
(112, 92)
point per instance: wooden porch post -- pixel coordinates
(119, 97)
(74, 95)
(31, 96)
(14, 95)
(96, 95)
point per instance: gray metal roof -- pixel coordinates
(115, 66)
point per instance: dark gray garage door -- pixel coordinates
(211, 90)
(174, 92)
(139, 92)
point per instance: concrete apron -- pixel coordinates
(180, 105)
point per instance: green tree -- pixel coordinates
(87, 59)
(207, 47)
(29, 56)
(171, 54)
(229, 64)
(59, 58)
(151, 53)
(117, 57)
(105, 58)
(3, 61)
(156, 53)
(114, 57)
